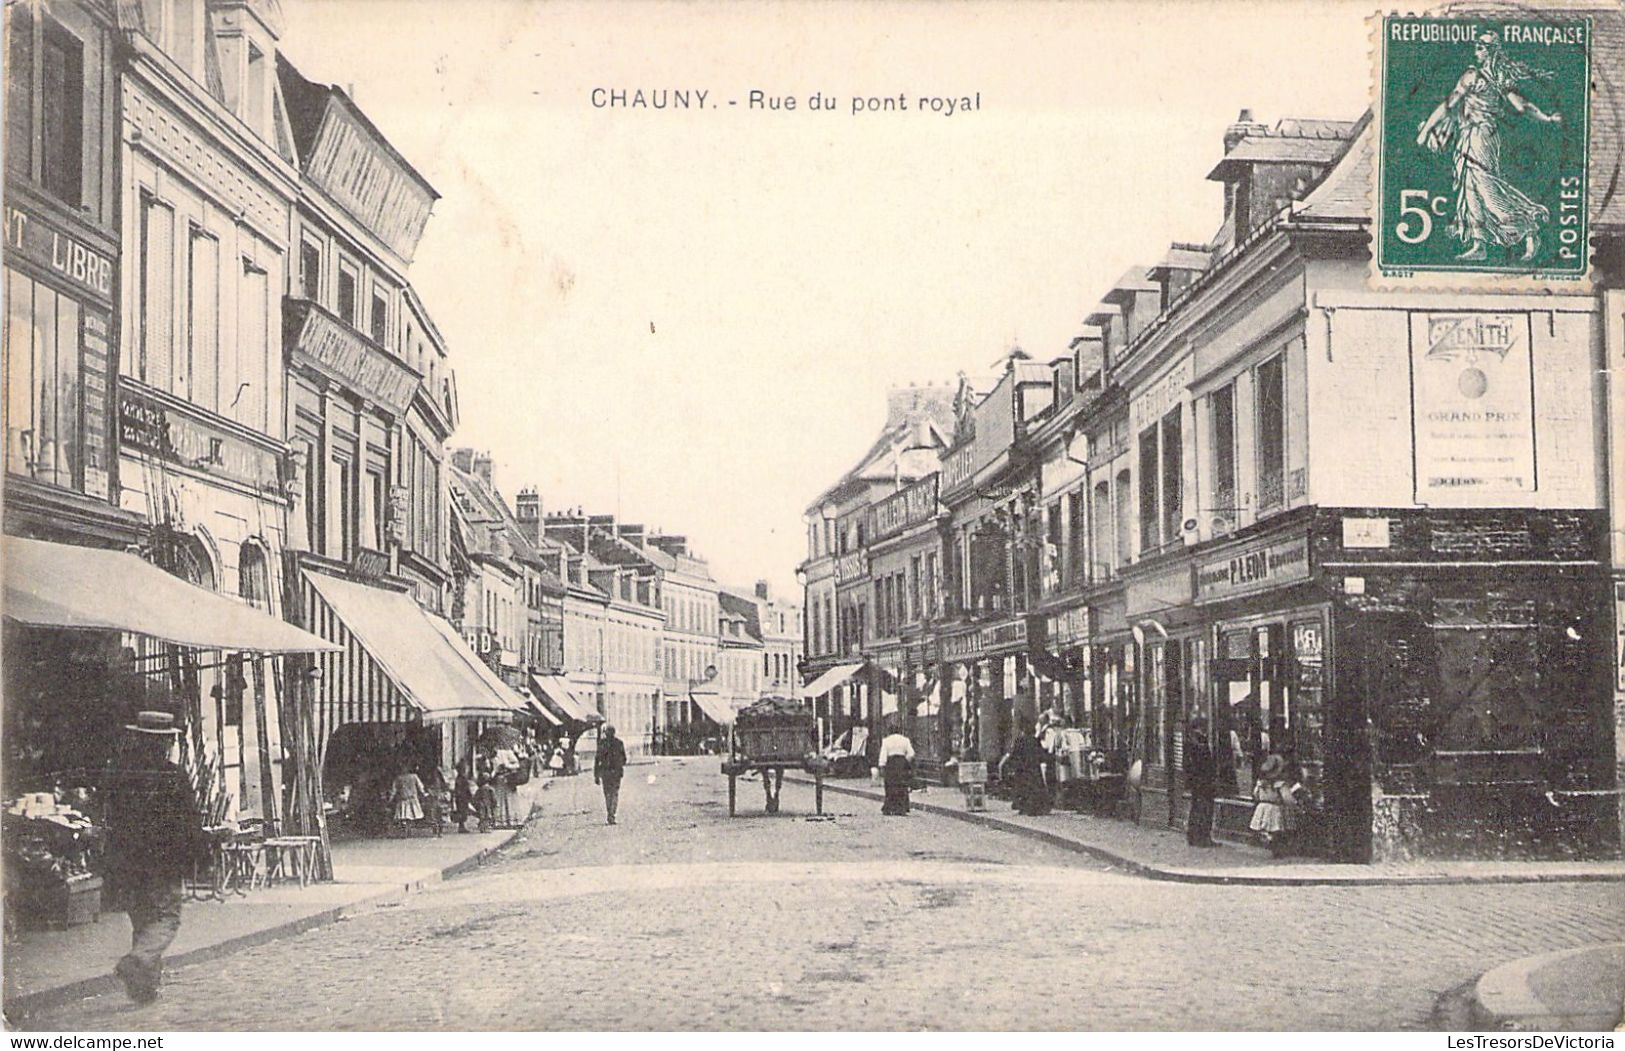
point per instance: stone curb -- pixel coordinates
(42, 999)
(1283, 878)
(1503, 998)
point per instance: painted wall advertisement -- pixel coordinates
(1473, 391)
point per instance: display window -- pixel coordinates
(1267, 694)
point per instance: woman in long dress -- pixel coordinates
(1024, 767)
(407, 795)
(1468, 122)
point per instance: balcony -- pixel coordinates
(325, 344)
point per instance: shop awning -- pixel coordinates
(556, 695)
(830, 679)
(422, 656)
(86, 588)
(540, 711)
(713, 704)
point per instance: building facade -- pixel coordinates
(207, 184)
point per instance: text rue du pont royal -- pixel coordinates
(767, 102)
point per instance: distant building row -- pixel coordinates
(1375, 533)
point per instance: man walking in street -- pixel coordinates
(1202, 780)
(154, 832)
(608, 767)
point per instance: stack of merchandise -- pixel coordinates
(50, 850)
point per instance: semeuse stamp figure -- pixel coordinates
(1483, 155)
(1468, 124)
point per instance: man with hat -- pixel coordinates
(607, 768)
(153, 834)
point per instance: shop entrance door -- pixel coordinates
(1232, 679)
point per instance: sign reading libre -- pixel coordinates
(1255, 568)
(1483, 139)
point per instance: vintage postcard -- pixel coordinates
(672, 516)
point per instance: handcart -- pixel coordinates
(769, 737)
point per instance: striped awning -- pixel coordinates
(538, 710)
(713, 704)
(399, 663)
(555, 694)
(830, 679)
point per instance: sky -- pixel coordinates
(690, 317)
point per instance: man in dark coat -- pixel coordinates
(154, 833)
(1202, 778)
(608, 767)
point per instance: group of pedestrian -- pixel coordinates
(412, 801)
(1278, 797)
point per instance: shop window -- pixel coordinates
(1271, 412)
(1222, 410)
(1149, 512)
(1156, 701)
(44, 438)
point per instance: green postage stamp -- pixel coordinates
(1483, 131)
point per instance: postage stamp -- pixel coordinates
(1483, 129)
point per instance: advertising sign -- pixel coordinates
(1473, 383)
(1257, 567)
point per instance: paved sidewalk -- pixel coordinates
(1164, 855)
(1576, 989)
(44, 968)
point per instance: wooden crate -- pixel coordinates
(789, 739)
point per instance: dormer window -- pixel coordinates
(256, 88)
(183, 34)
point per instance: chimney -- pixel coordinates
(528, 505)
(1244, 126)
(764, 591)
(482, 467)
(568, 527)
(463, 460)
(671, 545)
(1233, 175)
(632, 534)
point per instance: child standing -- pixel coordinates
(485, 803)
(1271, 796)
(462, 800)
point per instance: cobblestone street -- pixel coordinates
(680, 918)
